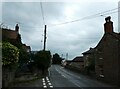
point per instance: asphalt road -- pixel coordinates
(64, 78)
(61, 77)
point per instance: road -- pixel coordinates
(61, 77)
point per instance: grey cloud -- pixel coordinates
(73, 38)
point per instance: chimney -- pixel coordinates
(17, 28)
(108, 26)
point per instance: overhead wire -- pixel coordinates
(89, 17)
(81, 19)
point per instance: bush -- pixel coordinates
(10, 54)
(43, 58)
(24, 56)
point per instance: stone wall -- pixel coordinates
(8, 76)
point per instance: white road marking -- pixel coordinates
(47, 78)
(63, 75)
(51, 86)
(49, 83)
(44, 83)
(43, 79)
(44, 86)
(70, 73)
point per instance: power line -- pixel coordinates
(110, 13)
(42, 13)
(90, 17)
(84, 18)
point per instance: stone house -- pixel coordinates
(26, 48)
(66, 63)
(89, 60)
(12, 36)
(77, 63)
(107, 55)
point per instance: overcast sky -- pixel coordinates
(73, 38)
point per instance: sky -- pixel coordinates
(72, 27)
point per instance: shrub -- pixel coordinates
(43, 58)
(10, 54)
(24, 56)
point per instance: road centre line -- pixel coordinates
(69, 73)
(63, 75)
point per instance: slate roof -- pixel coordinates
(91, 50)
(78, 59)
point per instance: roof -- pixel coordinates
(78, 59)
(91, 50)
(28, 47)
(11, 34)
(114, 35)
(68, 60)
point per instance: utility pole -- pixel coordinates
(45, 37)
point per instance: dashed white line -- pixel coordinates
(44, 86)
(46, 83)
(70, 73)
(49, 83)
(63, 75)
(51, 86)
(47, 78)
(43, 81)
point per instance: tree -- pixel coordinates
(24, 56)
(43, 58)
(56, 59)
(10, 54)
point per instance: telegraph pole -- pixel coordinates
(45, 38)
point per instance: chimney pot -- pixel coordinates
(107, 19)
(108, 26)
(17, 28)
